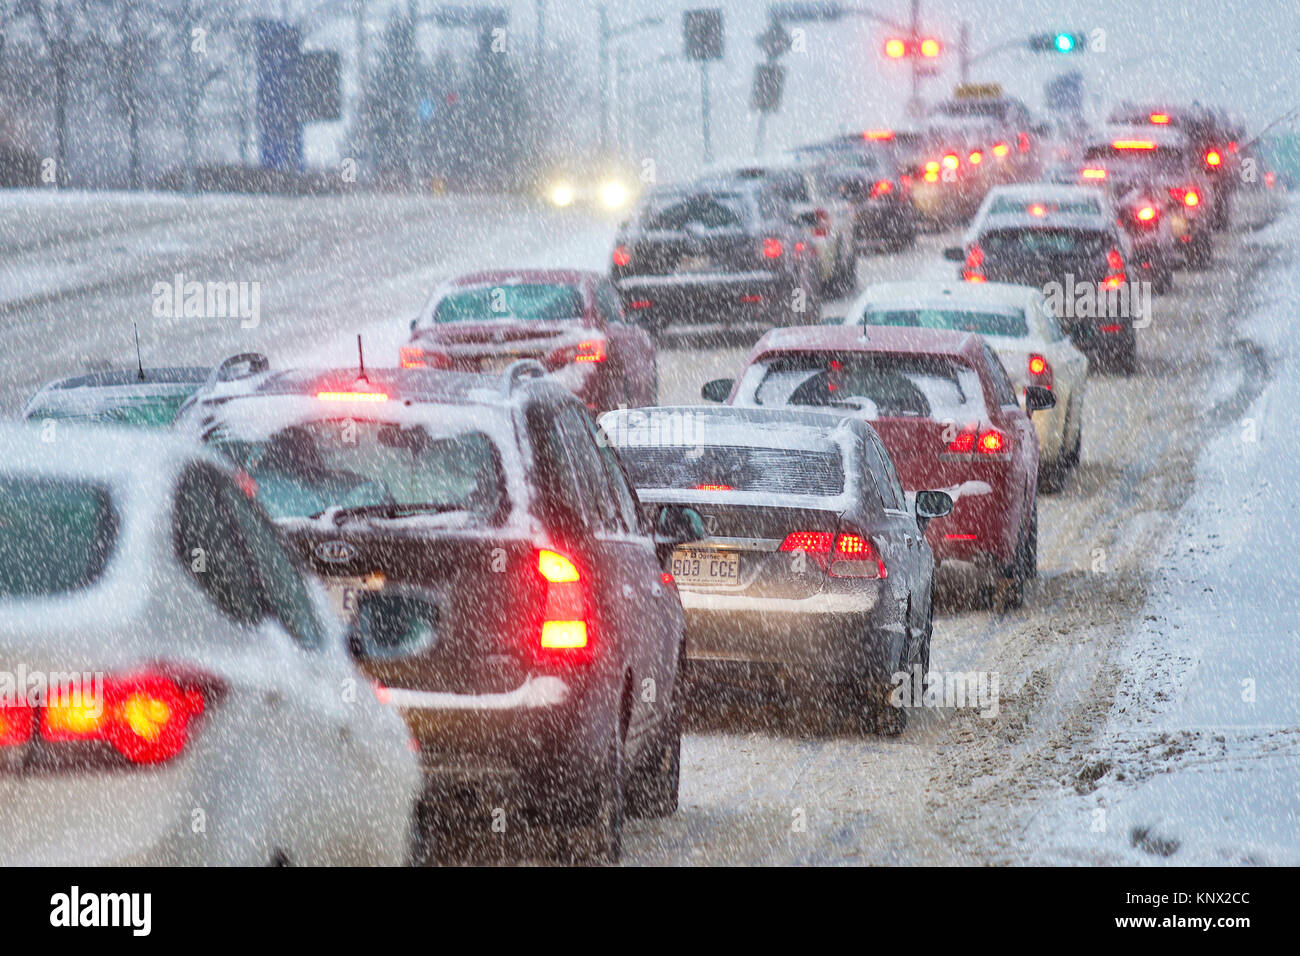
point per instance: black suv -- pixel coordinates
(718, 251)
(501, 583)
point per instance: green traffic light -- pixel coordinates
(1064, 42)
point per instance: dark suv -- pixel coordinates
(502, 585)
(719, 251)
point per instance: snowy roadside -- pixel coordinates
(1199, 759)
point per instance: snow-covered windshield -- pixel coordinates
(880, 385)
(311, 467)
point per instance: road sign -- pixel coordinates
(769, 81)
(702, 34)
(774, 41)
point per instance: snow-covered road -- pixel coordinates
(1121, 662)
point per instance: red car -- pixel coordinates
(947, 413)
(569, 320)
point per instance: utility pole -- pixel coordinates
(704, 112)
(914, 30)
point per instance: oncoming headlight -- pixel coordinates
(613, 194)
(562, 194)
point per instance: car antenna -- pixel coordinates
(139, 362)
(361, 361)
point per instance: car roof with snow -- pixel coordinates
(904, 340)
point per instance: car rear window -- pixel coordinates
(791, 471)
(1162, 159)
(529, 302)
(1037, 243)
(709, 210)
(1006, 322)
(138, 411)
(1090, 206)
(306, 469)
(56, 536)
(880, 385)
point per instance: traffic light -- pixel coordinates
(898, 48)
(1062, 42)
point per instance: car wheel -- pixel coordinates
(654, 791)
(871, 701)
(1127, 359)
(1024, 565)
(599, 839)
(1051, 476)
(1201, 252)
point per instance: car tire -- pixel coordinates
(869, 700)
(1201, 252)
(1024, 565)
(653, 792)
(1052, 476)
(599, 839)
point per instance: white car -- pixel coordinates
(172, 691)
(1022, 329)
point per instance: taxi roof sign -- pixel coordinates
(977, 91)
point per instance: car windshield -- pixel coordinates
(710, 210)
(55, 535)
(1005, 322)
(306, 469)
(529, 302)
(1039, 243)
(879, 385)
(735, 468)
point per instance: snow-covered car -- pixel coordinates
(1067, 241)
(570, 320)
(946, 412)
(813, 564)
(147, 397)
(1020, 326)
(497, 575)
(172, 689)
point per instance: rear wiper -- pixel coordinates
(390, 510)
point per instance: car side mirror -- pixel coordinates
(717, 390)
(931, 505)
(391, 624)
(677, 524)
(954, 254)
(1038, 399)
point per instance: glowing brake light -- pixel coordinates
(991, 442)
(713, 488)
(772, 248)
(15, 724)
(972, 270)
(1115, 265)
(1191, 198)
(844, 555)
(950, 161)
(1040, 370)
(1133, 144)
(352, 396)
(591, 351)
(988, 442)
(1159, 119)
(882, 187)
(1213, 158)
(145, 716)
(622, 257)
(878, 135)
(976, 158)
(1146, 213)
(564, 617)
(1094, 173)
(1000, 150)
(1037, 209)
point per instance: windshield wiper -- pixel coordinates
(390, 510)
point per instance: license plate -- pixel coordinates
(344, 593)
(496, 363)
(695, 263)
(708, 568)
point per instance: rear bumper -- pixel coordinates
(518, 746)
(733, 296)
(829, 637)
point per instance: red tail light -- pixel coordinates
(413, 356)
(950, 161)
(713, 488)
(588, 352)
(564, 634)
(1159, 119)
(988, 442)
(973, 269)
(1040, 370)
(144, 716)
(1022, 142)
(882, 187)
(622, 257)
(1093, 172)
(772, 248)
(1000, 150)
(975, 158)
(823, 226)
(843, 555)
(1213, 158)
(1147, 213)
(641, 304)
(1191, 198)
(352, 396)
(1115, 265)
